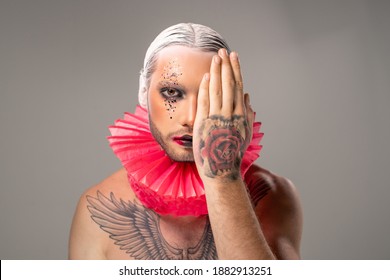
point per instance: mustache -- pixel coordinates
(180, 132)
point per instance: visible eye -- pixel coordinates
(171, 92)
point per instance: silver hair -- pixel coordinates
(185, 34)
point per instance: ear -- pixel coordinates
(142, 91)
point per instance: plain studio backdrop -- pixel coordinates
(319, 77)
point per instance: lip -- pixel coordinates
(184, 140)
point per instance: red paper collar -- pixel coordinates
(166, 186)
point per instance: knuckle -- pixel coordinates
(232, 83)
(237, 65)
(203, 103)
(239, 85)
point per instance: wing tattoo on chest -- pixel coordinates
(136, 230)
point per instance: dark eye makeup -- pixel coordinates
(170, 92)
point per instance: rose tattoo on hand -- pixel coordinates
(222, 146)
(224, 119)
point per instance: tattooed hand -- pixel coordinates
(224, 119)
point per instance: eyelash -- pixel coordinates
(177, 93)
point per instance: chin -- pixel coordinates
(187, 156)
(185, 160)
(182, 158)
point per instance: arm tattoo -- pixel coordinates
(222, 146)
(136, 230)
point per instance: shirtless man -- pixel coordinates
(255, 216)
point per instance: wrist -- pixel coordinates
(222, 181)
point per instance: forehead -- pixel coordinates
(184, 57)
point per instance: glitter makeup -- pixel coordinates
(171, 73)
(170, 79)
(170, 106)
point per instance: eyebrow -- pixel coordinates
(166, 83)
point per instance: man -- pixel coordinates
(196, 196)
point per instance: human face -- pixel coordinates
(172, 98)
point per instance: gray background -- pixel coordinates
(319, 76)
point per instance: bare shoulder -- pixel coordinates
(116, 183)
(279, 210)
(87, 241)
(272, 187)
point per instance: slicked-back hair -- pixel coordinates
(184, 34)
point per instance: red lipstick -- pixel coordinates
(184, 140)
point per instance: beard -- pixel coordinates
(180, 155)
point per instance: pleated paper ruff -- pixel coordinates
(166, 186)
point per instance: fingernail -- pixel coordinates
(223, 52)
(206, 76)
(217, 59)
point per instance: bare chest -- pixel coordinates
(136, 232)
(159, 244)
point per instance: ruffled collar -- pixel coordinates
(166, 186)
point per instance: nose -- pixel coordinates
(188, 111)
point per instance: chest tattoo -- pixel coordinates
(136, 230)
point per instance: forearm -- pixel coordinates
(222, 132)
(237, 232)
